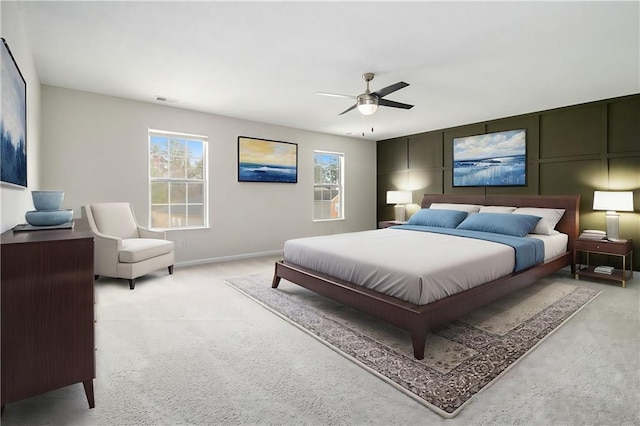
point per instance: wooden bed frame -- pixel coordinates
(419, 319)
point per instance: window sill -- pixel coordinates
(186, 228)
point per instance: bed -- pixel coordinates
(420, 311)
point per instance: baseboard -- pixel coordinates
(228, 258)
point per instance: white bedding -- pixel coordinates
(554, 244)
(418, 267)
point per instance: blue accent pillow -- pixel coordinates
(517, 225)
(439, 218)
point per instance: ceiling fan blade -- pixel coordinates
(349, 109)
(393, 104)
(390, 89)
(336, 95)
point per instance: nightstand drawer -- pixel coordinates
(605, 247)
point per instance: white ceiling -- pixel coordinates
(264, 61)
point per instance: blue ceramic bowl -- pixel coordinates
(47, 200)
(48, 218)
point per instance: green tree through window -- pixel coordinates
(177, 180)
(328, 198)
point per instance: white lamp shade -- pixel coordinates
(399, 197)
(613, 200)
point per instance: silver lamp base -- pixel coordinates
(613, 225)
(400, 212)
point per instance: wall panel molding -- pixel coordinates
(570, 150)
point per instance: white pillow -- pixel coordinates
(496, 209)
(550, 218)
(469, 208)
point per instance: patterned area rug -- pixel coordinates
(461, 358)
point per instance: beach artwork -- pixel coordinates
(261, 160)
(492, 159)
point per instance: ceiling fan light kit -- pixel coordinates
(367, 103)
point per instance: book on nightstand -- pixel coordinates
(592, 234)
(603, 270)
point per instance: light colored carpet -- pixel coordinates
(461, 358)
(187, 349)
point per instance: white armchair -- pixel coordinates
(122, 248)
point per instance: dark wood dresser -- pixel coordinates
(47, 315)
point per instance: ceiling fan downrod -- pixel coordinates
(367, 103)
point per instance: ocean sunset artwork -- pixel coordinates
(262, 160)
(492, 159)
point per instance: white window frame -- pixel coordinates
(204, 181)
(340, 186)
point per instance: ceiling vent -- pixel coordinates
(165, 99)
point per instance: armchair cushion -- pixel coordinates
(139, 249)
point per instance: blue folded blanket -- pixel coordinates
(529, 251)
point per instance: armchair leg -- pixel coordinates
(132, 284)
(170, 270)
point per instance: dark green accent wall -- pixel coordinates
(570, 150)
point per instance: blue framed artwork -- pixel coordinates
(491, 159)
(13, 123)
(261, 160)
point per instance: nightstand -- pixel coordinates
(621, 248)
(387, 223)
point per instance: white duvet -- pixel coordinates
(418, 267)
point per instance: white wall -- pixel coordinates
(95, 148)
(15, 200)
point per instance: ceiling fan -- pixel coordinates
(368, 102)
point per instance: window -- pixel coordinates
(328, 188)
(177, 180)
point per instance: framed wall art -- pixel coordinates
(491, 159)
(261, 160)
(13, 122)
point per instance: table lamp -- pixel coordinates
(613, 201)
(399, 198)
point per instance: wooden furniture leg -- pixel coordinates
(88, 390)
(419, 339)
(276, 281)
